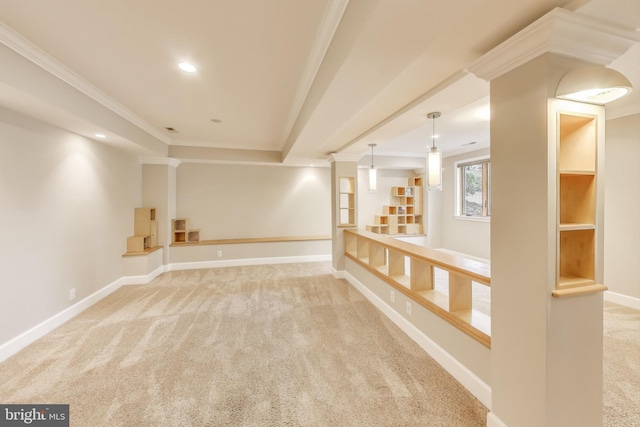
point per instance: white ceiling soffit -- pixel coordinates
(279, 81)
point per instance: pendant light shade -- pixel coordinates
(434, 159)
(593, 84)
(373, 175)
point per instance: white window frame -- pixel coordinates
(458, 190)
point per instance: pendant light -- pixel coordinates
(373, 175)
(434, 159)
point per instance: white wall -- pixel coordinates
(236, 201)
(67, 208)
(622, 206)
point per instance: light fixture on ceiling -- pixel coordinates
(185, 66)
(373, 174)
(434, 159)
(100, 135)
(593, 84)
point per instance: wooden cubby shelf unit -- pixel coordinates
(404, 214)
(182, 233)
(577, 204)
(347, 202)
(145, 231)
(410, 269)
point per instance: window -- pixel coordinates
(474, 188)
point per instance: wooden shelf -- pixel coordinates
(571, 282)
(577, 222)
(410, 269)
(256, 240)
(575, 226)
(576, 172)
(145, 231)
(580, 290)
(182, 233)
(346, 202)
(404, 214)
(145, 252)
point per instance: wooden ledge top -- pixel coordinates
(145, 252)
(477, 270)
(579, 290)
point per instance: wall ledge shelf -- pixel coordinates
(578, 290)
(145, 252)
(252, 240)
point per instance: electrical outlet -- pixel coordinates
(72, 294)
(219, 254)
(408, 308)
(392, 296)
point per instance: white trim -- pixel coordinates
(345, 157)
(621, 299)
(28, 337)
(16, 42)
(472, 218)
(245, 261)
(143, 280)
(457, 187)
(338, 274)
(559, 32)
(494, 421)
(468, 379)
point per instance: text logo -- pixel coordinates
(34, 415)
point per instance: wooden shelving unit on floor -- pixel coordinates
(404, 215)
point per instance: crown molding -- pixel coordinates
(16, 42)
(344, 157)
(560, 32)
(169, 161)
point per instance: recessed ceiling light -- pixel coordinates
(216, 120)
(100, 135)
(170, 129)
(185, 66)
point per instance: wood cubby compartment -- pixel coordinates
(577, 198)
(576, 258)
(404, 214)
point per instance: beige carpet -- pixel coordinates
(284, 345)
(621, 366)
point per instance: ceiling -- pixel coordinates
(279, 81)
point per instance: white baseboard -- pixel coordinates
(494, 421)
(468, 379)
(143, 280)
(245, 261)
(338, 274)
(16, 344)
(621, 299)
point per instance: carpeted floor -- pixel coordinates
(279, 345)
(284, 345)
(621, 401)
